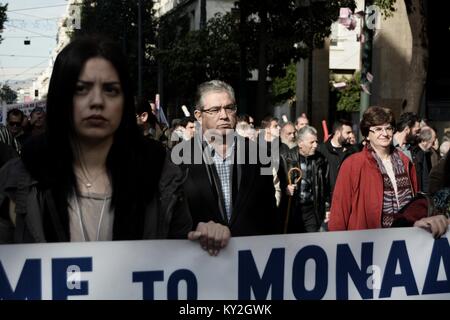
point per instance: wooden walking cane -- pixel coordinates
(286, 222)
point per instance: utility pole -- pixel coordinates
(366, 58)
(140, 53)
(240, 14)
(203, 19)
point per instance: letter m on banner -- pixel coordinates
(29, 285)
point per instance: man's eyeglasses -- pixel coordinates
(14, 124)
(379, 130)
(229, 109)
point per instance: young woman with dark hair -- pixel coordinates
(92, 176)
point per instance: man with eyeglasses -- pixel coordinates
(222, 184)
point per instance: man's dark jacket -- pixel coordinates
(422, 162)
(335, 158)
(320, 183)
(253, 194)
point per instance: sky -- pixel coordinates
(34, 20)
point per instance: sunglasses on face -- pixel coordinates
(14, 124)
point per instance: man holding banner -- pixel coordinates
(224, 183)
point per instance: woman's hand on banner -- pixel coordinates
(437, 225)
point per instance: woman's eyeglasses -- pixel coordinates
(380, 130)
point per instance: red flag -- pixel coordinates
(325, 130)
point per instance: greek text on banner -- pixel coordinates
(402, 263)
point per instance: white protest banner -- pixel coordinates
(25, 107)
(402, 263)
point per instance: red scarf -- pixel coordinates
(404, 188)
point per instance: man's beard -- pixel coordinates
(412, 139)
(343, 141)
(290, 144)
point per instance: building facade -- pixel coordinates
(393, 66)
(196, 10)
(69, 21)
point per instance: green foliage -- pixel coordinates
(3, 18)
(305, 23)
(192, 57)
(348, 98)
(283, 88)
(7, 94)
(386, 6)
(118, 20)
(222, 60)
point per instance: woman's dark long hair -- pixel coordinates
(133, 165)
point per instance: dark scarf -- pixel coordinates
(404, 188)
(441, 201)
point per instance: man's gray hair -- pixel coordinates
(426, 134)
(215, 86)
(303, 132)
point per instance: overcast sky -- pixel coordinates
(34, 20)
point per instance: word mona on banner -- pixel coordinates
(362, 273)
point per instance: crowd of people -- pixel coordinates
(99, 165)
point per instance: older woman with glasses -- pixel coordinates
(375, 184)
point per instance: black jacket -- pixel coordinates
(438, 176)
(6, 153)
(253, 194)
(320, 181)
(335, 157)
(40, 215)
(423, 163)
(284, 151)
